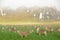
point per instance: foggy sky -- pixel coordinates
(29, 3)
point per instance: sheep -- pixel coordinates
(49, 28)
(41, 31)
(24, 34)
(57, 29)
(12, 29)
(3, 29)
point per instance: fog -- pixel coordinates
(29, 3)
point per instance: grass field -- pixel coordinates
(7, 35)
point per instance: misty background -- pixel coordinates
(29, 10)
(29, 3)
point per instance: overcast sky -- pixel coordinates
(29, 3)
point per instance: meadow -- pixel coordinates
(5, 34)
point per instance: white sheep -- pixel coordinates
(41, 31)
(24, 34)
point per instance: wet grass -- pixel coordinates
(6, 35)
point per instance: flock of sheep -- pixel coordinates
(47, 29)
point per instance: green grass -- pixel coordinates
(6, 35)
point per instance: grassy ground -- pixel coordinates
(7, 35)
